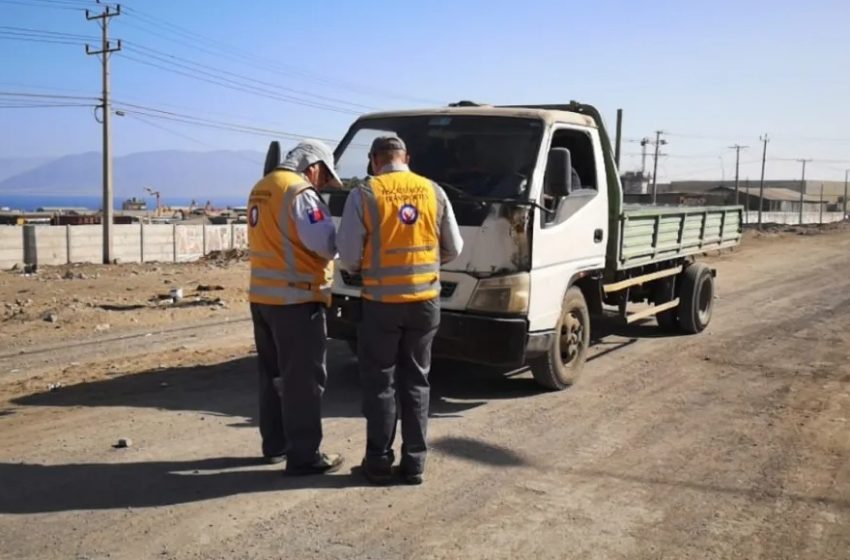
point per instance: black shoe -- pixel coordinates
(379, 476)
(275, 459)
(324, 464)
(411, 478)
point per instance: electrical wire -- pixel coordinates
(185, 37)
(188, 64)
(231, 84)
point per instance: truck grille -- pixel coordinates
(447, 288)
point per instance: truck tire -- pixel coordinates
(561, 365)
(664, 290)
(696, 294)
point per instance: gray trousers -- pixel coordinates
(394, 350)
(291, 349)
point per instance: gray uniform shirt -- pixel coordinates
(352, 228)
(314, 224)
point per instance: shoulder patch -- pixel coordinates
(315, 215)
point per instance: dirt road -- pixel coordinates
(731, 444)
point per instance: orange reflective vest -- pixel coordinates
(401, 260)
(283, 270)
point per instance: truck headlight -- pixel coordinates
(503, 294)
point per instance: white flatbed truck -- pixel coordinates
(548, 240)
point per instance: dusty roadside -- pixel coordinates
(731, 444)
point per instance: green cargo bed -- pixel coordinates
(648, 235)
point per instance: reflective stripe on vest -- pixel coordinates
(392, 271)
(283, 271)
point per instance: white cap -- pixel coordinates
(308, 152)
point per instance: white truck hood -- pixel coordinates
(496, 241)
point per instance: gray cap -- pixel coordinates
(308, 152)
(387, 143)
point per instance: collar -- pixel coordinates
(392, 167)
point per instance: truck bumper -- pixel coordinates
(492, 341)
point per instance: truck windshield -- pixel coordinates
(489, 157)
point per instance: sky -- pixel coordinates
(709, 74)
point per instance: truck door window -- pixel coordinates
(584, 183)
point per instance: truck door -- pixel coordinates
(573, 236)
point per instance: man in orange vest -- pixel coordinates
(292, 245)
(396, 230)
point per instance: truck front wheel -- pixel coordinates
(696, 298)
(560, 366)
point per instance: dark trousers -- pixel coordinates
(291, 348)
(394, 350)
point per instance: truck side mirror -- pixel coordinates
(558, 178)
(272, 158)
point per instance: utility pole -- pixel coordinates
(764, 139)
(105, 50)
(644, 142)
(802, 187)
(658, 143)
(844, 215)
(820, 218)
(737, 148)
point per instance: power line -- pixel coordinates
(41, 87)
(31, 5)
(218, 74)
(30, 95)
(42, 105)
(44, 32)
(38, 40)
(220, 49)
(154, 112)
(187, 137)
(233, 85)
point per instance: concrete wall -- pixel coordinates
(240, 236)
(127, 243)
(11, 246)
(56, 245)
(217, 238)
(50, 244)
(190, 242)
(159, 243)
(86, 243)
(791, 218)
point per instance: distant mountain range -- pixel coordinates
(174, 173)
(10, 167)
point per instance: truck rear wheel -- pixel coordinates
(696, 298)
(560, 366)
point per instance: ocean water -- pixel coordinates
(30, 203)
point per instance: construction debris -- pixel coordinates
(209, 288)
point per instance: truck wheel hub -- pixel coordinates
(572, 334)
